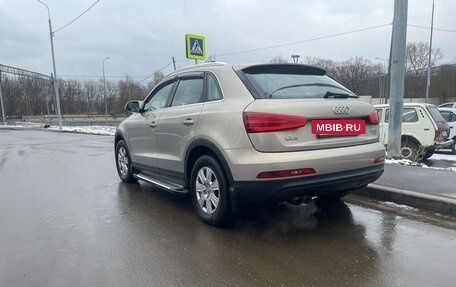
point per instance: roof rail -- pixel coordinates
(211, 64)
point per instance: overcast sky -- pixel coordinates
(142, 36)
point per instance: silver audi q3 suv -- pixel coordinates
(267, 132)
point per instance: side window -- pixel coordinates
(189, 91)
(446, 115)
(213, 89)
(446, 106)
(159, 98)
(409, 115)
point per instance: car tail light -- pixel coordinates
(285, 173)
(373, 118)
(265, 122)
(438, 135)
(379, 159)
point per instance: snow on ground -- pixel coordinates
(444, 156)
(422, 165)
(97, 130)
(398, 206)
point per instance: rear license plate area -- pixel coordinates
(330, 128)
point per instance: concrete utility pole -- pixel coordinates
(54, 81)
(397, 78)
(428, 83)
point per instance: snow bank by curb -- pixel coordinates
(417, 164)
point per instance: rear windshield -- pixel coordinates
(435, 113)
(292, 85)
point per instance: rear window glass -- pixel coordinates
(435, 114)
(270, 85)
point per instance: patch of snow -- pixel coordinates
(417, 164)
(440, 168)
(446, 156)
(97, 130)
(402, 162)
(23, 125)
(398, 206)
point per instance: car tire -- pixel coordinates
(411, 151)
(428, 154)
(123, 163)
(210, 191)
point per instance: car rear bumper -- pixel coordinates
(280, 190)
(245, 164)
(444, 144)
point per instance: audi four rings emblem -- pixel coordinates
(341, 110)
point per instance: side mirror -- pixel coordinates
(133, 106)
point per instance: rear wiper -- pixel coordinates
(312, 85)
(338, 95)
(287, 87)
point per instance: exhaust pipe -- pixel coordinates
(298, 200)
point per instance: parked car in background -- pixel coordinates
(423, 130)
(231, 133)
(448, 105)
(449, 114)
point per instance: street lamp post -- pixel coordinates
(54, 79)
(428, 82)
(104, 90)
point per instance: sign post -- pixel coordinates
(195, 47)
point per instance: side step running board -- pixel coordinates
(161, 183)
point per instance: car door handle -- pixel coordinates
(153, 124)
(188, 122)
(451, 127)
(426, 130)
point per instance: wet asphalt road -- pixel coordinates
(67, 220)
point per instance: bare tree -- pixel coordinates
(71, 96)
(358, 74)
(128, 90)
(444, 83)
(355, 74)
(417, 54)
(278, 60)
(329, 65)
(91, 96)
(111, 96)
(158, 76)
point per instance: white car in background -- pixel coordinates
(451, 105)
(423, 130)
(449, 114)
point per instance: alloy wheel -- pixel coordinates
(207, 190)
(122, 160)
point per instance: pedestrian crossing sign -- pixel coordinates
(195, 46)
